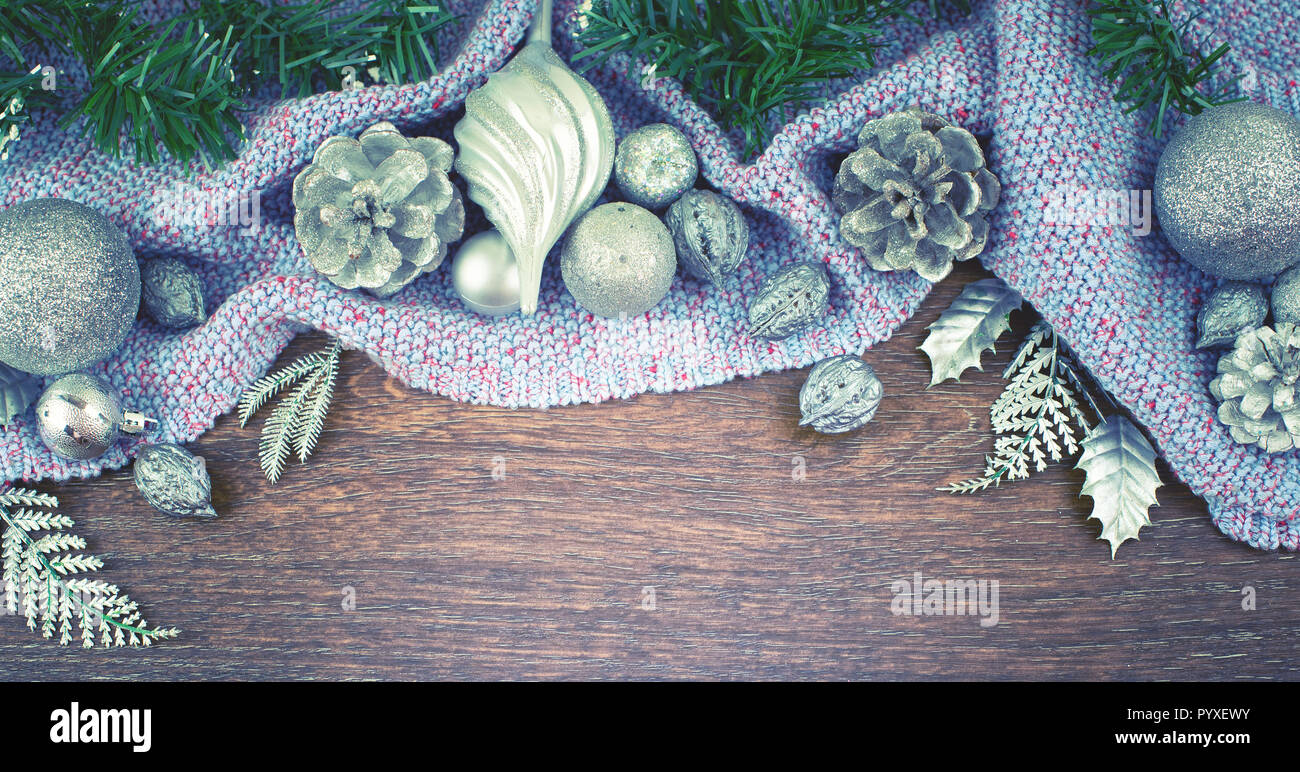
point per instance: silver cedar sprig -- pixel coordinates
(295, 424)
(1039, 417)
(43, 574)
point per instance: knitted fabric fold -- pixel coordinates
(1014, 72)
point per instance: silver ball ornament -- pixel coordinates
(79, 417)
(69, 286)
(654, 165)
(1227, 191)
(618, 260)
(486, 275)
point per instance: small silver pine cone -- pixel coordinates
(914, 195)
(1256, 388)
(378, 211)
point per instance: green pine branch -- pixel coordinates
(744, 61)
(182, 85)
(1152, 63)
(43, 576)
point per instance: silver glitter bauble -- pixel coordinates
(618, 259)
(485, 274)
(80, 416)
(174, 481)
(1229, 311)
(655, 165)
(69, 286)
(1227, 191)
(1285, 298)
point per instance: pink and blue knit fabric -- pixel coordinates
(1014, 72)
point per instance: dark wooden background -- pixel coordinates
(541, 574)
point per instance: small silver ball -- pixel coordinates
(79, 417)
(485, 274)
(618, 259)
(1227, 191)
(1286, 298)
(654, 165)
(69, 286)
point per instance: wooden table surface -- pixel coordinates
(543, 573)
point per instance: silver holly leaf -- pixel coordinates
(969, 327)
(17, 391)
(1121, 479)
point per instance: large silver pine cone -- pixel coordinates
(378, 211)
(915, 193)
(1256, 388)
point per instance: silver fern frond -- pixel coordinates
(297, 421)
(1039, 417)
(44, 579)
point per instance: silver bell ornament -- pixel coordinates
(618, 260)
(1227, 191)
(536, 146)
(79, 417)
(69, 286)
(486, 275)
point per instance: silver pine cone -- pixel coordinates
(378, 211)
(1256, 388)
(915, 193)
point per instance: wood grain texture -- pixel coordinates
(541, 574)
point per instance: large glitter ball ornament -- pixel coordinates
(618, 260)
(486, 275)
(69, 286)
(655, 165)
(79, 417)
(1227, 191)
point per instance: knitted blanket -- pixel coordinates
(1015, 71)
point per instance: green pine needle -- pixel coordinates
(742, 60)
(296, 423)
(1144, 52)
(42, 579)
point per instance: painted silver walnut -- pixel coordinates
(915, 194)
(174, 481)
(840, 395)
(1285, 297)
(1256, 388)
(378, 211)
(172, 293)
(790, 300)
(1229, 311)
(710, 234)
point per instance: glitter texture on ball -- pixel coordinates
(69, 286)
(1227, 191)
(618, 259)
(655, 165)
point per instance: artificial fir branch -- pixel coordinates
(1146, 54)
(742, 60)
(297, 421)
(182, 85)
(45, 571)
